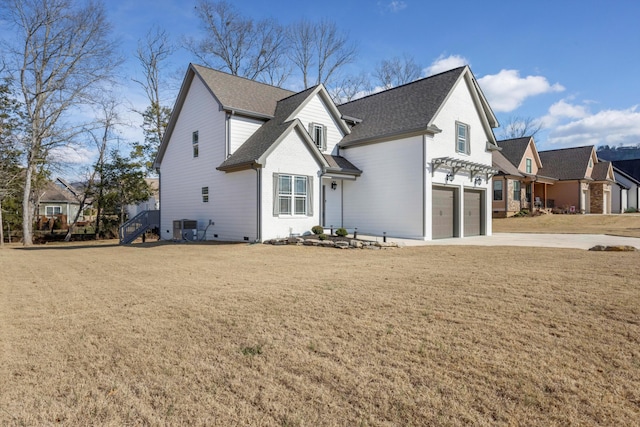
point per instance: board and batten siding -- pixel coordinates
(316, 111)
(333, 204)
(459, 107)
(232, 197)
(388, 196)
(292, 156)
(240, 129)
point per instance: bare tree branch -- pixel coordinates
(396, 71)
(518, 127)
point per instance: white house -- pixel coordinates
(626, 193)
(249, 161)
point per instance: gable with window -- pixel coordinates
(318, 133)
(463, 144)
(292, 195)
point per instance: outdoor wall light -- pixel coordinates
(477, 181)
(449, 177)
(334, 185)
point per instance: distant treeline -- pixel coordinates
(606, 152)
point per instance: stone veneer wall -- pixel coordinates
(596, 197)
(513, 206)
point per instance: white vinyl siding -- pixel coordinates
(388, 196)
(232, 205)
(241, 129)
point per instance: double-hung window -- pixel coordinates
(53, 210)
(292, 195)
(497, 190)
(318, 133)
(205, 194)
(463, 144)
(194, 144)
(528, 167)
(516, 191)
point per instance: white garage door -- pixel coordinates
(443, 212)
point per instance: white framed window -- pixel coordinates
(516, 190)
(497, 190)
(205, 194)
(462, 138)
(318, 133)
(53, 210)
(194, 144)
(528, 167)
(292, 195)
(590, 163)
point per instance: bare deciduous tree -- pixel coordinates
(321, 47)
(237, 44)
(62, 52)
(351, 88)
(517, 127)
(396, 71)
(151, 54)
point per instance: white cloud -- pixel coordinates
(393, 6)
(612, 127)
(563, 110)
(443, 63)
(506, 90)
(73, 156)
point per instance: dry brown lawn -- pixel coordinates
(618, 225)
(260, 335)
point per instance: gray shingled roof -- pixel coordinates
(600, 171)
(504, 165)
(238, 93)
(514, 149)
(402, 109)
(55, 193)
(258, 144)
(342, 165)
(630, 167)
(565, 164)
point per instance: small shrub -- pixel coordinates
(631, 210)
(252, 351)
(341, 232)
(317, 229)
(322, 236)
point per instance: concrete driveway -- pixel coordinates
(577, 241)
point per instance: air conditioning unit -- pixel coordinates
(185, 229)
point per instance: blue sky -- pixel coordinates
(572, 64)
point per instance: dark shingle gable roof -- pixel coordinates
(514, 149)
(565, 164)
(600, 171)
(630, 167)
(402, 109)
(238, 93)
(504, 165)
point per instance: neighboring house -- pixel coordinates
(248, 161)
(152, 203)
(519, 184)
(59, 198)
(627, 194)
(584, 183)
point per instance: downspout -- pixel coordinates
(255, 167)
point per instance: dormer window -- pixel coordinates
(318, 133)
(463, 144)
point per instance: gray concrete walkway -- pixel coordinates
(577, 241)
